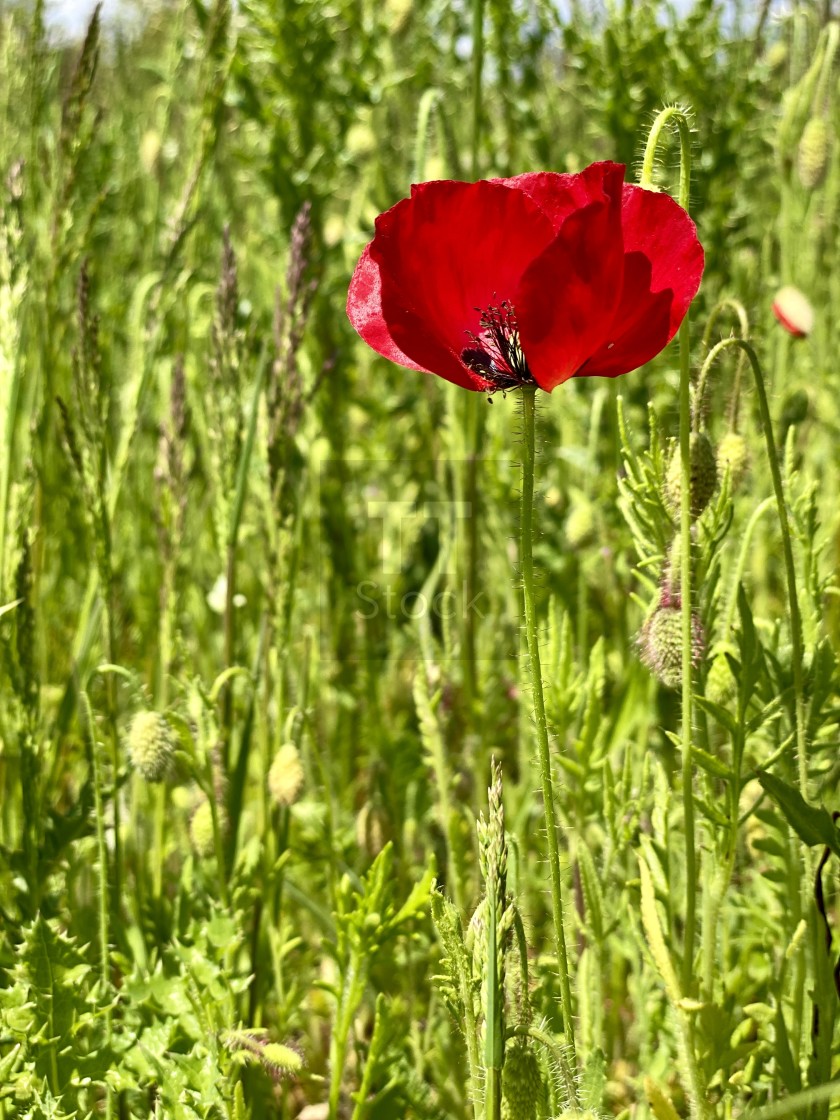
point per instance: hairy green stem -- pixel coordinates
(787, 551)
(527, 562)
(741, 563)
(677, 118)
(738, 309)
(687, 658)
(477, 67)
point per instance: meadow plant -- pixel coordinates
(366, 751)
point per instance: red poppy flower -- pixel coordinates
(527, 281)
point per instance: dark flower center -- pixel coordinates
(496, 353)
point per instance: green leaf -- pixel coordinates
(813, 825)
(593, 896)
(710, 764)
(417, 902)
(719, 714)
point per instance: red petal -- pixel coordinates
(662, 271)
(567, 299)
(449, 249)
(364, 310)
(558, 195)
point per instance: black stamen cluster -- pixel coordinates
(497, 355)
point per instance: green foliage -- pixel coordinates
(195, 457)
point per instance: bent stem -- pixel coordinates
(678, 118)
(527, 563)
(787, 550)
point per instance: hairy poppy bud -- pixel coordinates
(794, 311)
(703, 477)
(733, 455)
(720, 684)
(812, 156)
(794, 409)
(285, 775)
(151, 747)
(522, 1084)
(660, 643)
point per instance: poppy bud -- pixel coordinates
(812, 156)
(794, 311)
(794, 409)
(733, 455)
(703, 477)
(522, 1084)
(151, 747)
(720, 684)
(661, 642)
(285, 776)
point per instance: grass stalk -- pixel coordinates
(102, 871)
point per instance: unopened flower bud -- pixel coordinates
(733, 456)
(703, 477)
(151, 746)
(794, 311)
(812, 155)
(720, 684)
(285, 775)
(660, 642)
(794, 409)
(522, 1084)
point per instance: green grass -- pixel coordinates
(216, 504)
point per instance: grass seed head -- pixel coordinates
(285, 775)
(151, 746)
(812, 155)
(201, 830)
